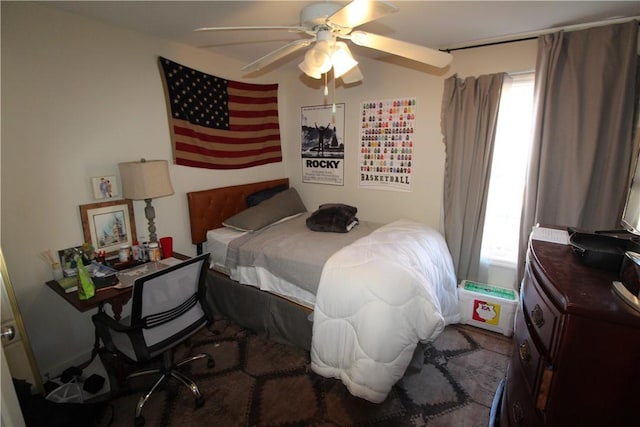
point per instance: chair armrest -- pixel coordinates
(103, 319)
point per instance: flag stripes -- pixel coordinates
(220, 124)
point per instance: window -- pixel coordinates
(508, 172)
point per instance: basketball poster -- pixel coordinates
(386, 144)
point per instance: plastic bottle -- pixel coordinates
(154, 251)
(86, 288)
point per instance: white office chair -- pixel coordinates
(167, 308)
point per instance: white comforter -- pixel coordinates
(377, 298)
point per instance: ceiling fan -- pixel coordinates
(327, 23)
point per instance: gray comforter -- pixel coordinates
(291, 251)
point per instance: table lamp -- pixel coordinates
(146, 180)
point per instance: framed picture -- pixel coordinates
(68, 260)
(322, 144)
(108, 225)
(104, 187)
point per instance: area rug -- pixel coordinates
(257, 382)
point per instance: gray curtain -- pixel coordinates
(469, 118)
(582, 145)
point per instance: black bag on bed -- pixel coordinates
(333, 217)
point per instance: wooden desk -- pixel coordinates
(116, 298)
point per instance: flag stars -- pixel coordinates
(195, 96)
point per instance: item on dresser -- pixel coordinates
(601, 250)
(628, 297)
(552, 235)
(630, 272)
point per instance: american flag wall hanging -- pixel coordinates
(220, 124)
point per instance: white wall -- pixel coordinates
(78, 97)
(392, 78)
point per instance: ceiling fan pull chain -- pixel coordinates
(333, 107)
(326, 85)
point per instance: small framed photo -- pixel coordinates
(108, 225)
(104, 187)
(68, 260)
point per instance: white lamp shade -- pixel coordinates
(145, 179)
(309, 71)
(352, 76)
(342, 59)
(317, 60)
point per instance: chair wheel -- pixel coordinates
(139, 421)
(199, 402)
(211, 363)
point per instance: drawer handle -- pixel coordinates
(517, 413)
(525, 352)
(537, 316)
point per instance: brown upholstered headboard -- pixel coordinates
(208, 208)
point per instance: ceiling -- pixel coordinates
(435, 24)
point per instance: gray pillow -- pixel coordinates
(260, 196)
(282, 205)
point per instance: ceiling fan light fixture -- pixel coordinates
(321, 56)
(317, 60)
(354, 75)
(309, 71)
(326, 21)
(341, 59)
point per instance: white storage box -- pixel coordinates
(488, 307)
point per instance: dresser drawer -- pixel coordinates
(518, 406)
(540, 314)
(526, 355)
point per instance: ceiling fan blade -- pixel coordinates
(359, 12)
(408, 50)
(261, 27)
(277, 54)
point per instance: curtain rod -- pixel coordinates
(535, 34)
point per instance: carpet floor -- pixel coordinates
(257, 382)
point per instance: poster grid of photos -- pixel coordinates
(386, 144)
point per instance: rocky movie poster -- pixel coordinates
(323, 144)
(386, 144)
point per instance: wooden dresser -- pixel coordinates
(576, 360)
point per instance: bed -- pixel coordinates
(362, 302)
